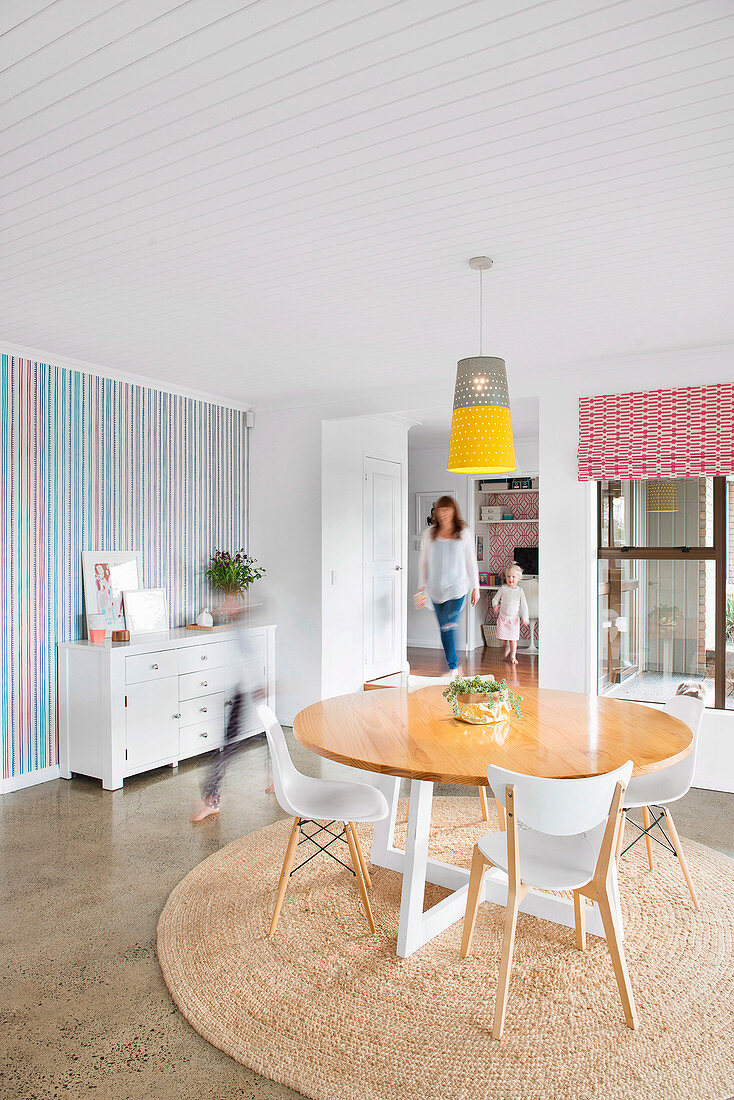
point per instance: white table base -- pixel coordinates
(417, 928)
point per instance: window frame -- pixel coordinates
(715, 553)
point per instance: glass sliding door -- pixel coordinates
(662, 577)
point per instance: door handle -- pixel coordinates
(398, 568)
(177, 716)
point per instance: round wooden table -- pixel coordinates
(398, 733)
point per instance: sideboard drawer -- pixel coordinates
(200, 738)
(208, 682)
(198, 658)
(205, 709)
(151, 666)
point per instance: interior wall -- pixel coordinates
(97, 463)
(346, 444)
(568, 578)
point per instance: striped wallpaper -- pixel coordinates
(101, 464)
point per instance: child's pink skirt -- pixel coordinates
(508, 630)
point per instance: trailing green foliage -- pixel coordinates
(478, 686)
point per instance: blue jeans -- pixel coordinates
(448, 614)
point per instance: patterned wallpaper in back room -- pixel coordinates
(503, 538)
(102, 464)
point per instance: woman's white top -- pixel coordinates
(448, 567)
(512, 603)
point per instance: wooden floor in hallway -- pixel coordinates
(480, 662)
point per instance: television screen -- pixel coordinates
(527, 558)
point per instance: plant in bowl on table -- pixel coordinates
(233, 574)
(479, 701)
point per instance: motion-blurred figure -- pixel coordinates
(250, 691)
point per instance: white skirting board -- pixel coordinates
(29, 779)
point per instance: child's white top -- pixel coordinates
(512, 602)
(448, 567)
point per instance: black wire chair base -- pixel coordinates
(311, 837)
(664, 843)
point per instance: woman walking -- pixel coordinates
(447, 571)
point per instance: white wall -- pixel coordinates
(286, 520)
(568, 530)
(346, 444)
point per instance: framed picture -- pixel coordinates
(424, 509)
(484, 579)
(106, 575)
(146, 610)
(480, 547)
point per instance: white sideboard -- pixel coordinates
(127, 707)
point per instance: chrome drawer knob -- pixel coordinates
(203, 709)
(205, 658)
(205, 683)
(203, 735)
(154, 666)
(177, 716)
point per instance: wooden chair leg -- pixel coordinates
(618, 960)
(501, 815)
(620, 842)
(285, 874)
(358, 872)
(648, 838)
(360, 853)
(476, 878)
(673, 832)
(483, 803)
(579, 912)
(514, 898)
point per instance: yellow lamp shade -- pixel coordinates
(662, 496)
(481, 426)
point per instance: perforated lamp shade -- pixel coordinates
(481, 428)
(662, 496)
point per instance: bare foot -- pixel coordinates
(513, 660)
(202, 811)
(270, 789)
(506, 654)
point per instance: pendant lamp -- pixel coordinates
(481, 427)
(662, 496)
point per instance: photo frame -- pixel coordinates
(424, 507)
(484, 579)
(146, 610)
(106, 574)
(480, 547)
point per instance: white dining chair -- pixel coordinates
(653, 793)
(312, 801)
(569, 842)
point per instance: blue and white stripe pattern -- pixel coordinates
(96, 463)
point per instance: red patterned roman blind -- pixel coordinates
(657, 434)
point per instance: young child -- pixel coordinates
(512, 607)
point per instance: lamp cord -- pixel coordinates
(481, 281)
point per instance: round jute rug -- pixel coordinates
(330, 1010)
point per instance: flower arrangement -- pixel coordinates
(462, 686)
(233, 573)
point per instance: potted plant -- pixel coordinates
(233, 574)
(465, 691)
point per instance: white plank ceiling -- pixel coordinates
(275, 200)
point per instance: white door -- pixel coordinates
(383, 568)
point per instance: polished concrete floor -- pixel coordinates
(83, 1008)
